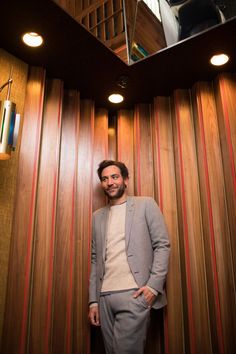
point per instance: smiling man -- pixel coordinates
(129, 263)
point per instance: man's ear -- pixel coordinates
(126, 181)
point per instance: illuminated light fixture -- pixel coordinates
(116, 98)
(219, 59)
(9, 123)
(32, 39)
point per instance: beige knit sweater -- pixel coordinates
(117, 271)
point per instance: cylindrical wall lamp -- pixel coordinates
(9, 124)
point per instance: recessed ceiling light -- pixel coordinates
(219, 59)
(32, 39)
(116, 98)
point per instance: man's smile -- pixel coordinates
(111, 189)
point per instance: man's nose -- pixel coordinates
(110, 182)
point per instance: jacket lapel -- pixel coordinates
(104, 219)
(129, 219)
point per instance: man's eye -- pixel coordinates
(115, 177)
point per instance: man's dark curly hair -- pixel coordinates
(105, 163)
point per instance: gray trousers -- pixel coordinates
(124, 322)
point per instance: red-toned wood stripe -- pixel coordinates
(137, 117)
(118, 138)
(70, 291)
(212, 234)
(185, 224)
(157, 133)
(106, 145)
(159, 173)
(52, 243)
(72, 247)
(90, 223)
(228, 134)
(50, 280)
(30, 230)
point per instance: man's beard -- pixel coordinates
(119, 192)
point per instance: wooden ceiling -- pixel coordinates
(72, 54)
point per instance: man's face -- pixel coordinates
(113, 184)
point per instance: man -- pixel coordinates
(130, 254)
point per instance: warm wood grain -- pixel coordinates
(17, 310)
(100, 153)
(165, 191)
(112, 137)
(143, 156)
(83, 226)
(42, 272)
(151, 36)
(191, 236)
(180, 150)
(125, 143)
(225, 89)
(63, 272)
(9, 168)
(215, 216)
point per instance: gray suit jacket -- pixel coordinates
(147, 247)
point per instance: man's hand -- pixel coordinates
(94, 315)
(149, 296)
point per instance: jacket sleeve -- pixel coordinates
(93, 272)
(160, 245)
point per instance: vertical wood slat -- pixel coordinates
(225, 89)
(112, 137)
(119, 17)
(9, 169)
(210, 255)
(110, 20)
(93, 23)
(125, 144)
(65, 226)
(104, 138)
(83, 225)
(213, 191)
(42, 276)
(143, 157)
(100, 153)
(190, 216)
(17, 312)
(165, 186)
(78, 7)
(101, 27)
(204, 150)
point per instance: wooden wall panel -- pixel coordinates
(225, 88)
(215, 213)
(65, 227)
(17, 310)
(165, 192)
(191, 237)
(100, 153)
(112, 137)
(143, 156)
(180, 150)
(83, 226)
(9, 168)
(45, 221)
(125, 143)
